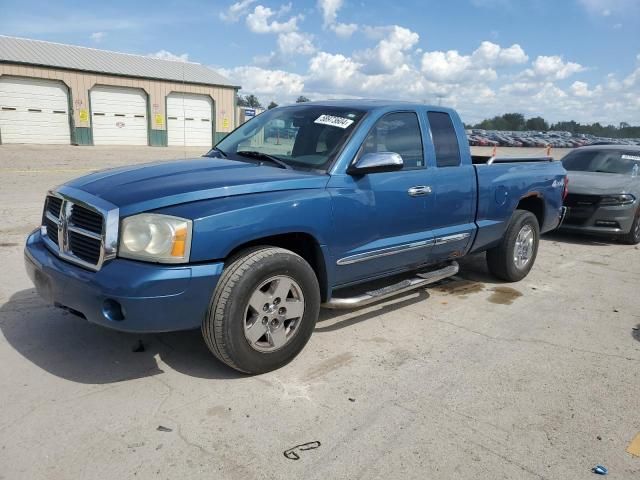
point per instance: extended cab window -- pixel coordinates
(445, 140)
(398, 133)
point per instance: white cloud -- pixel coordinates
(260, 81)
(553, 68)
(259, 21)
(581, 89)
(236, 10)
(98, 36)
(296, 43)
(607, 8)
(391, 52)
(333, 70)
(453, 67)
(166, 55)
(344, 30)
(329, 9)
(492, 55)
(481, 83)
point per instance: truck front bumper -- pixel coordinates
(124, 295)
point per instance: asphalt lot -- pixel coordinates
(471, 379)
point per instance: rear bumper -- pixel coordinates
(609, 220)
(124, 295)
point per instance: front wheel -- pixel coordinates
(633, 237)
(263, 311)
(514, 257)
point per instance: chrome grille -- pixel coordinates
(76, 231)
(84, 218)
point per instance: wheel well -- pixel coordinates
(300, 243)
(535, 205)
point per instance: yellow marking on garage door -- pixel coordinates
(49, 170)
(634, 446)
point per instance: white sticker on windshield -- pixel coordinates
(333, 121)
(630, 157)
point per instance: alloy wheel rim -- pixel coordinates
(273, 313)
(524, 246)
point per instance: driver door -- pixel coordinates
(380, 219)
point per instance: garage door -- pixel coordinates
(189, 120)
(33, 111)
(119, 116)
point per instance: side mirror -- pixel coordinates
(376, 162)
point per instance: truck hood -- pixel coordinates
(595, 183)
(156, 185)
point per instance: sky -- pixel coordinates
(561, 59)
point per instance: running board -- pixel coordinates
(420, 280)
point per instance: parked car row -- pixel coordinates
(494, 138)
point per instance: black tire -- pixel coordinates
(633, 237)
(223, 328)
(500, 259)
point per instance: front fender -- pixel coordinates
(222, 224)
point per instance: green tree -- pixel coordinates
(252, 101)
(537, 123)
(272, 105)
(302, 99)
(514, 121)
(242, 101)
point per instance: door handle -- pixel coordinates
(419, 190)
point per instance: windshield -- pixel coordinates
(304, 136)
(603, 161)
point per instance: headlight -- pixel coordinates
(155, 238)
(624, 199)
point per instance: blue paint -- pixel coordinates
(233, 203)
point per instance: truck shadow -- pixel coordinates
(74, 349)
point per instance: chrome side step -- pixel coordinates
(420, 280)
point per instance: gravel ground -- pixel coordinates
(471, 379)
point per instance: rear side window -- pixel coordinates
(445, 140)
(399, 133)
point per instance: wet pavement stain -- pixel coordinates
(504, 295)
(593, 262)
(328, 366)
(460, 288)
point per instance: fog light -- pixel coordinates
(112, 310)
(607, 223)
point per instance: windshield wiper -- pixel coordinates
(264, 156)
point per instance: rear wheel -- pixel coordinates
(514, 257)
(633, 237)
(263, 311)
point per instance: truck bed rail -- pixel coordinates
(486, 160)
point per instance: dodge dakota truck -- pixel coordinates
(301, 207)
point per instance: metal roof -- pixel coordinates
(71, 57)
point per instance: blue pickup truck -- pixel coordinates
(303, 206)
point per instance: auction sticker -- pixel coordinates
(333, 121)
(630, 157)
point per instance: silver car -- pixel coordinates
(604, 191)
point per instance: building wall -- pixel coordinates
(80, 83)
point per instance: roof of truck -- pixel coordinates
(371, 104)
